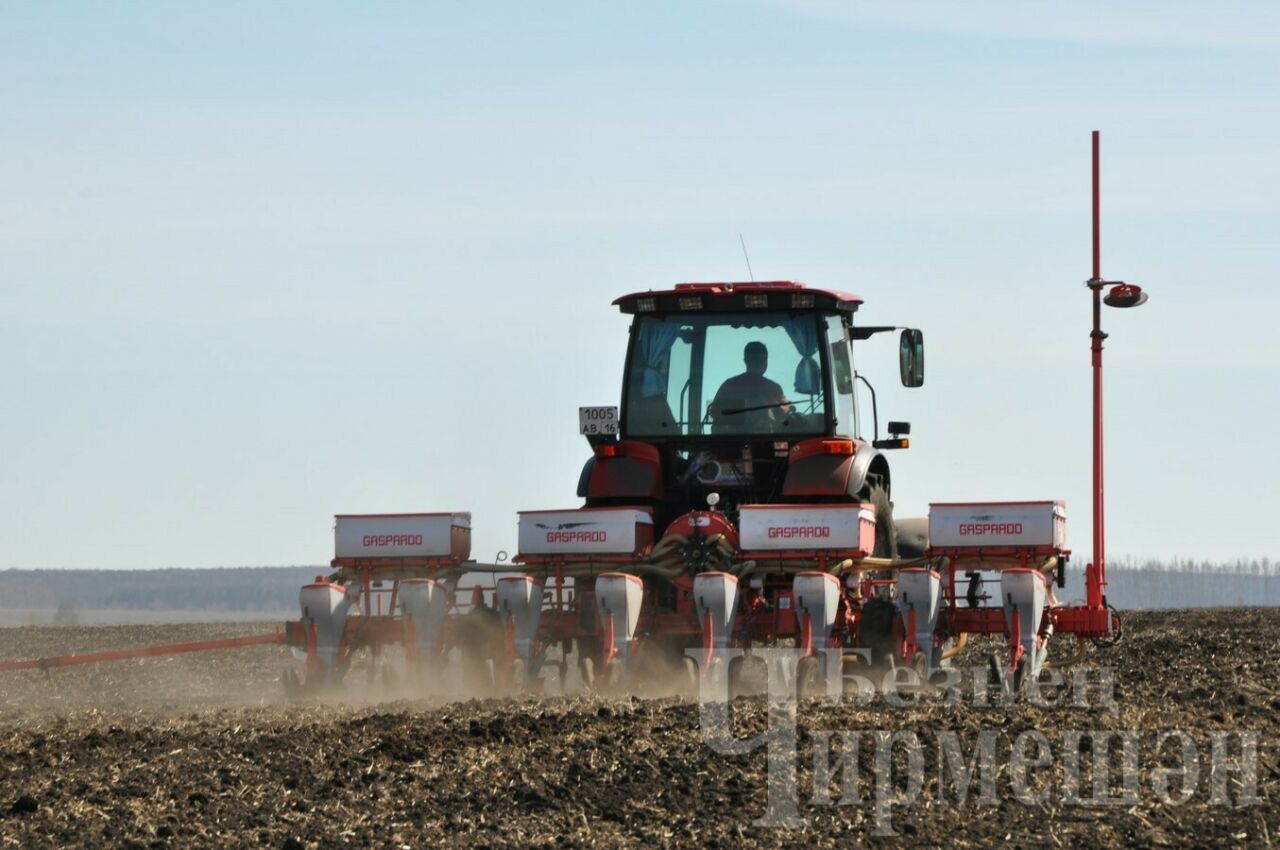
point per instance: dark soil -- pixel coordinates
(201, 750)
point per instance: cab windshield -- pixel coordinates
(737, 374)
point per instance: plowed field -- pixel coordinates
(202, 750)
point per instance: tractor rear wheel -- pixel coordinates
(876, 627)
(875, 630)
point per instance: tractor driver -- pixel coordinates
(749, 390)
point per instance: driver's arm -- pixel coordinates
(780, 398)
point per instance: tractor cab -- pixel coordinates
(744, 391)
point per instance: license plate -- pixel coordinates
(593, 421)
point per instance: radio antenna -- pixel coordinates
(747, 256)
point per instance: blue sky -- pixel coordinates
(264, 263)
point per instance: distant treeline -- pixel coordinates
(216, 589)
(1240, 566)
(1184, 583)
(1131, 584)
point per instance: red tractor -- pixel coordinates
(735, 462)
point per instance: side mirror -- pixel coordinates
(911, 358)
(898, 433)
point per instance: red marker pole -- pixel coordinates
(1096, 574)
(142, 652)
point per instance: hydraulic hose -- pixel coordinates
(948, 654)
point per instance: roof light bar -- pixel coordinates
(802, 300)
(690, 302)
(646, 305)
(757, 299)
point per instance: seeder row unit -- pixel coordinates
(596, 588)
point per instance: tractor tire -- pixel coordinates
(852, 665)
(875, 632)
